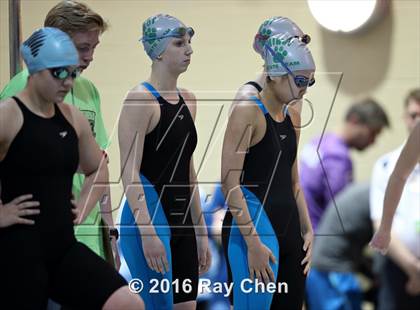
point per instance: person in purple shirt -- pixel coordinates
(325, 174)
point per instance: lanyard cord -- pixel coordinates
(72, 96)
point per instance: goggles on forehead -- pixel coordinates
(306, 38)
(300, 80)
(176, 32)
(63, 73)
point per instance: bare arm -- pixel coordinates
(402, 257)
(382, 240)
(132, 128)
(106, 214)
(92, 164)
(135, 122)
(408, 159)
(241, 130)
(246, 91)
(400, 254)
(398, 251)
(13, 212)
(106, 208)
(196, 212)
(11, 120)
(304, 219)
(200, 228)
(236, 142)
(305, 222)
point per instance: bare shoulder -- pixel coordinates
(73, 116)
(139, 103)
(69, 111)
(246, 91)
(8, 106)
(10, 114)
(188, 96)
(138, 94)
(244, 110)
(140, 111)
(11, 120)
(190, 100)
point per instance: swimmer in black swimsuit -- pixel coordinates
(272, 26)
(42, 143)
(163, 234)
(267, 233)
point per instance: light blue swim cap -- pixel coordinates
(158, 31)
(277, 25)
(48, 48)
(291, 52)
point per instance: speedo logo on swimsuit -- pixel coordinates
(63, 134)
(181, 117)
(282, 137)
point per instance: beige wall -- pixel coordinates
(382, 62)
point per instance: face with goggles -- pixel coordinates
(63, 73)
(55, 83)
(295, 82)
(177, 54)
(300, 81)
(178, 32)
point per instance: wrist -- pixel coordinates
(253, 242)
(201, 231)
(307, 228)
(147, 231)
(385, 227)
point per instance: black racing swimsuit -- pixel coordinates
(41, 161)
(266, 183)
(44, 260)
(165, 175)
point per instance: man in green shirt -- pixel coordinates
(84, 27)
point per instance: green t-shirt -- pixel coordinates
(85, 97)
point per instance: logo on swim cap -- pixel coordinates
(151, 20)
(276, 26)
(35, 42)
(150, 33)
(49, 48)
(277, 44)
(158, 31)
(285, 54)
(264, 30)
